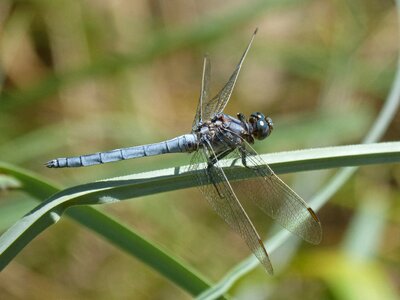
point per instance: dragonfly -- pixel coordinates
(215, 138)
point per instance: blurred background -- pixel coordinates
(79, 77)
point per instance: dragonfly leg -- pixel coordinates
(211, 162)
(214, 159)
(241, 117)
(242, 151)
(209, 166)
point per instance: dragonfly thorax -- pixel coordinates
(222, 130)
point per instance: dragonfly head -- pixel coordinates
(261, 126)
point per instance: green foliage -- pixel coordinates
(50, 211)
(136, 185)
(84, 76)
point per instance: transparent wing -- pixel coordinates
(204, 92)
(274, 197)
(218, 103)
(217, 190)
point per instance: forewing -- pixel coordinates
(217, 104)
(204, 92)
(274, 197)
(217, 190)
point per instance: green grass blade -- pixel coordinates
(166, 264)
(333, 157)
(105, 226)
(126, 187)
(32, 183)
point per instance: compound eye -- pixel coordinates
(262, 126)
(257, 115)
(262, 129)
